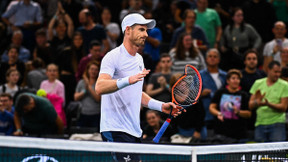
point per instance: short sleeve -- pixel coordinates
(107, 65)
(254, 87)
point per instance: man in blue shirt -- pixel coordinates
(6, 114)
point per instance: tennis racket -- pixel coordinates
(185, 93)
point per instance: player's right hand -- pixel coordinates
(138, 77)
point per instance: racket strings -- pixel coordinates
(186, 90)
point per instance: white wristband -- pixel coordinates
(122, 82)
(155, 104)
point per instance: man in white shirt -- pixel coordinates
(120, 84)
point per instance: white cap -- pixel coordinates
(136, 18)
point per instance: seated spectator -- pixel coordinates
(237, 38)
(230, 108)
(7, 126)
(11, 87)
(90, 101)
(154, 124)
(43, 49)
(186, 53)
(24, 54)
(52, 85)
(36, 75)
(35, 115)
(284, 57)
(13, 63)
(95, 54)
(112, 29)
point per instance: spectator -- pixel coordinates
(24, 54)
(196, 31)
(237, 38)
(281, 9)
(72, 8)
(213, 79)
(154, 124)
(261, 15)
(273, 48)
(64, 28)
(36, 75)
(270, 99)
(43, 49)
(36, 116)
(90, 101)
(91, 31)
(112, 29)
(284, 57)
(230, 107)
(27, 16)
(182, 6)
(11, 87)
(13, 63)
(6, 114)
(52, 85)
(208, 19)
(184, 53)
(284, 74)
(95, 54)
(135, 6)
(250, 73)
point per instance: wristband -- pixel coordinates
(19, 130)
(155, 104)
(122, 82)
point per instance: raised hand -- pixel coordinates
(138, 77)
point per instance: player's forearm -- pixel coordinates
(105, 86)
(17, 121)
(154, 92)
(145, 99)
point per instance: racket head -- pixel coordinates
(186, 91)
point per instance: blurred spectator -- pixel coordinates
(43, 49)
(182, 6)
(196, 31)
(208, 19)
(281, 9)
(95, 54)
(270, 99)
(148, 63)
(154, 124)
(91, 31)
(112, 29)
(230, 107)
(7, 126)
(90, 101)
(72, 8)
(36, 116)
(273, 48)
(284, 73)
(261, 15)
(237, 38)
(16, 40)
(135, 6)
(184, 53)
(13, 63)
(52, 85)
(153, 41)
(213, 79)
(64, 28)
(250, 73)
(284, 57)
(11, 87)
(158, 85)
(27, 16)
(68, 64)
(36, 75)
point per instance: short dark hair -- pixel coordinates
(38, 63)
(40, 32)
(272, 64)
(94, 43)
(6, 95)
(284, 72)
(22, 101)
(232, 72)
(9, 71)
(13, 47)
(186, 13)
(251, 51)
(164, 55)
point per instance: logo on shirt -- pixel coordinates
(140, 68)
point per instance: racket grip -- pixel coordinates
(161, 131)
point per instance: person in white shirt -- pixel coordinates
(120, 83)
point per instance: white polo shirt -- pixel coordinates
(120, 110)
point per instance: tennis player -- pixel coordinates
(120, 83)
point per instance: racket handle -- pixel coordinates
(161, 131)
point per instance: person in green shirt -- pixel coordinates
(36, 116)
(208, 19)
(270, 99)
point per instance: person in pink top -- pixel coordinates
(53, 85)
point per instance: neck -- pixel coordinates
(250, 71)
(166, 71)
(132, 49)
(105, 22)
(213, 69)
(92, 81)
(51, 80)
(89, 25)
(232, 90)
(270, 81)
(188, 29)
(10, 62)
(11, 85)
(237, 25)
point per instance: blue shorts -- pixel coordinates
(113, 136)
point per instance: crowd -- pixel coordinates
(51, 54)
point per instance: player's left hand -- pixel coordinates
(166, 108)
